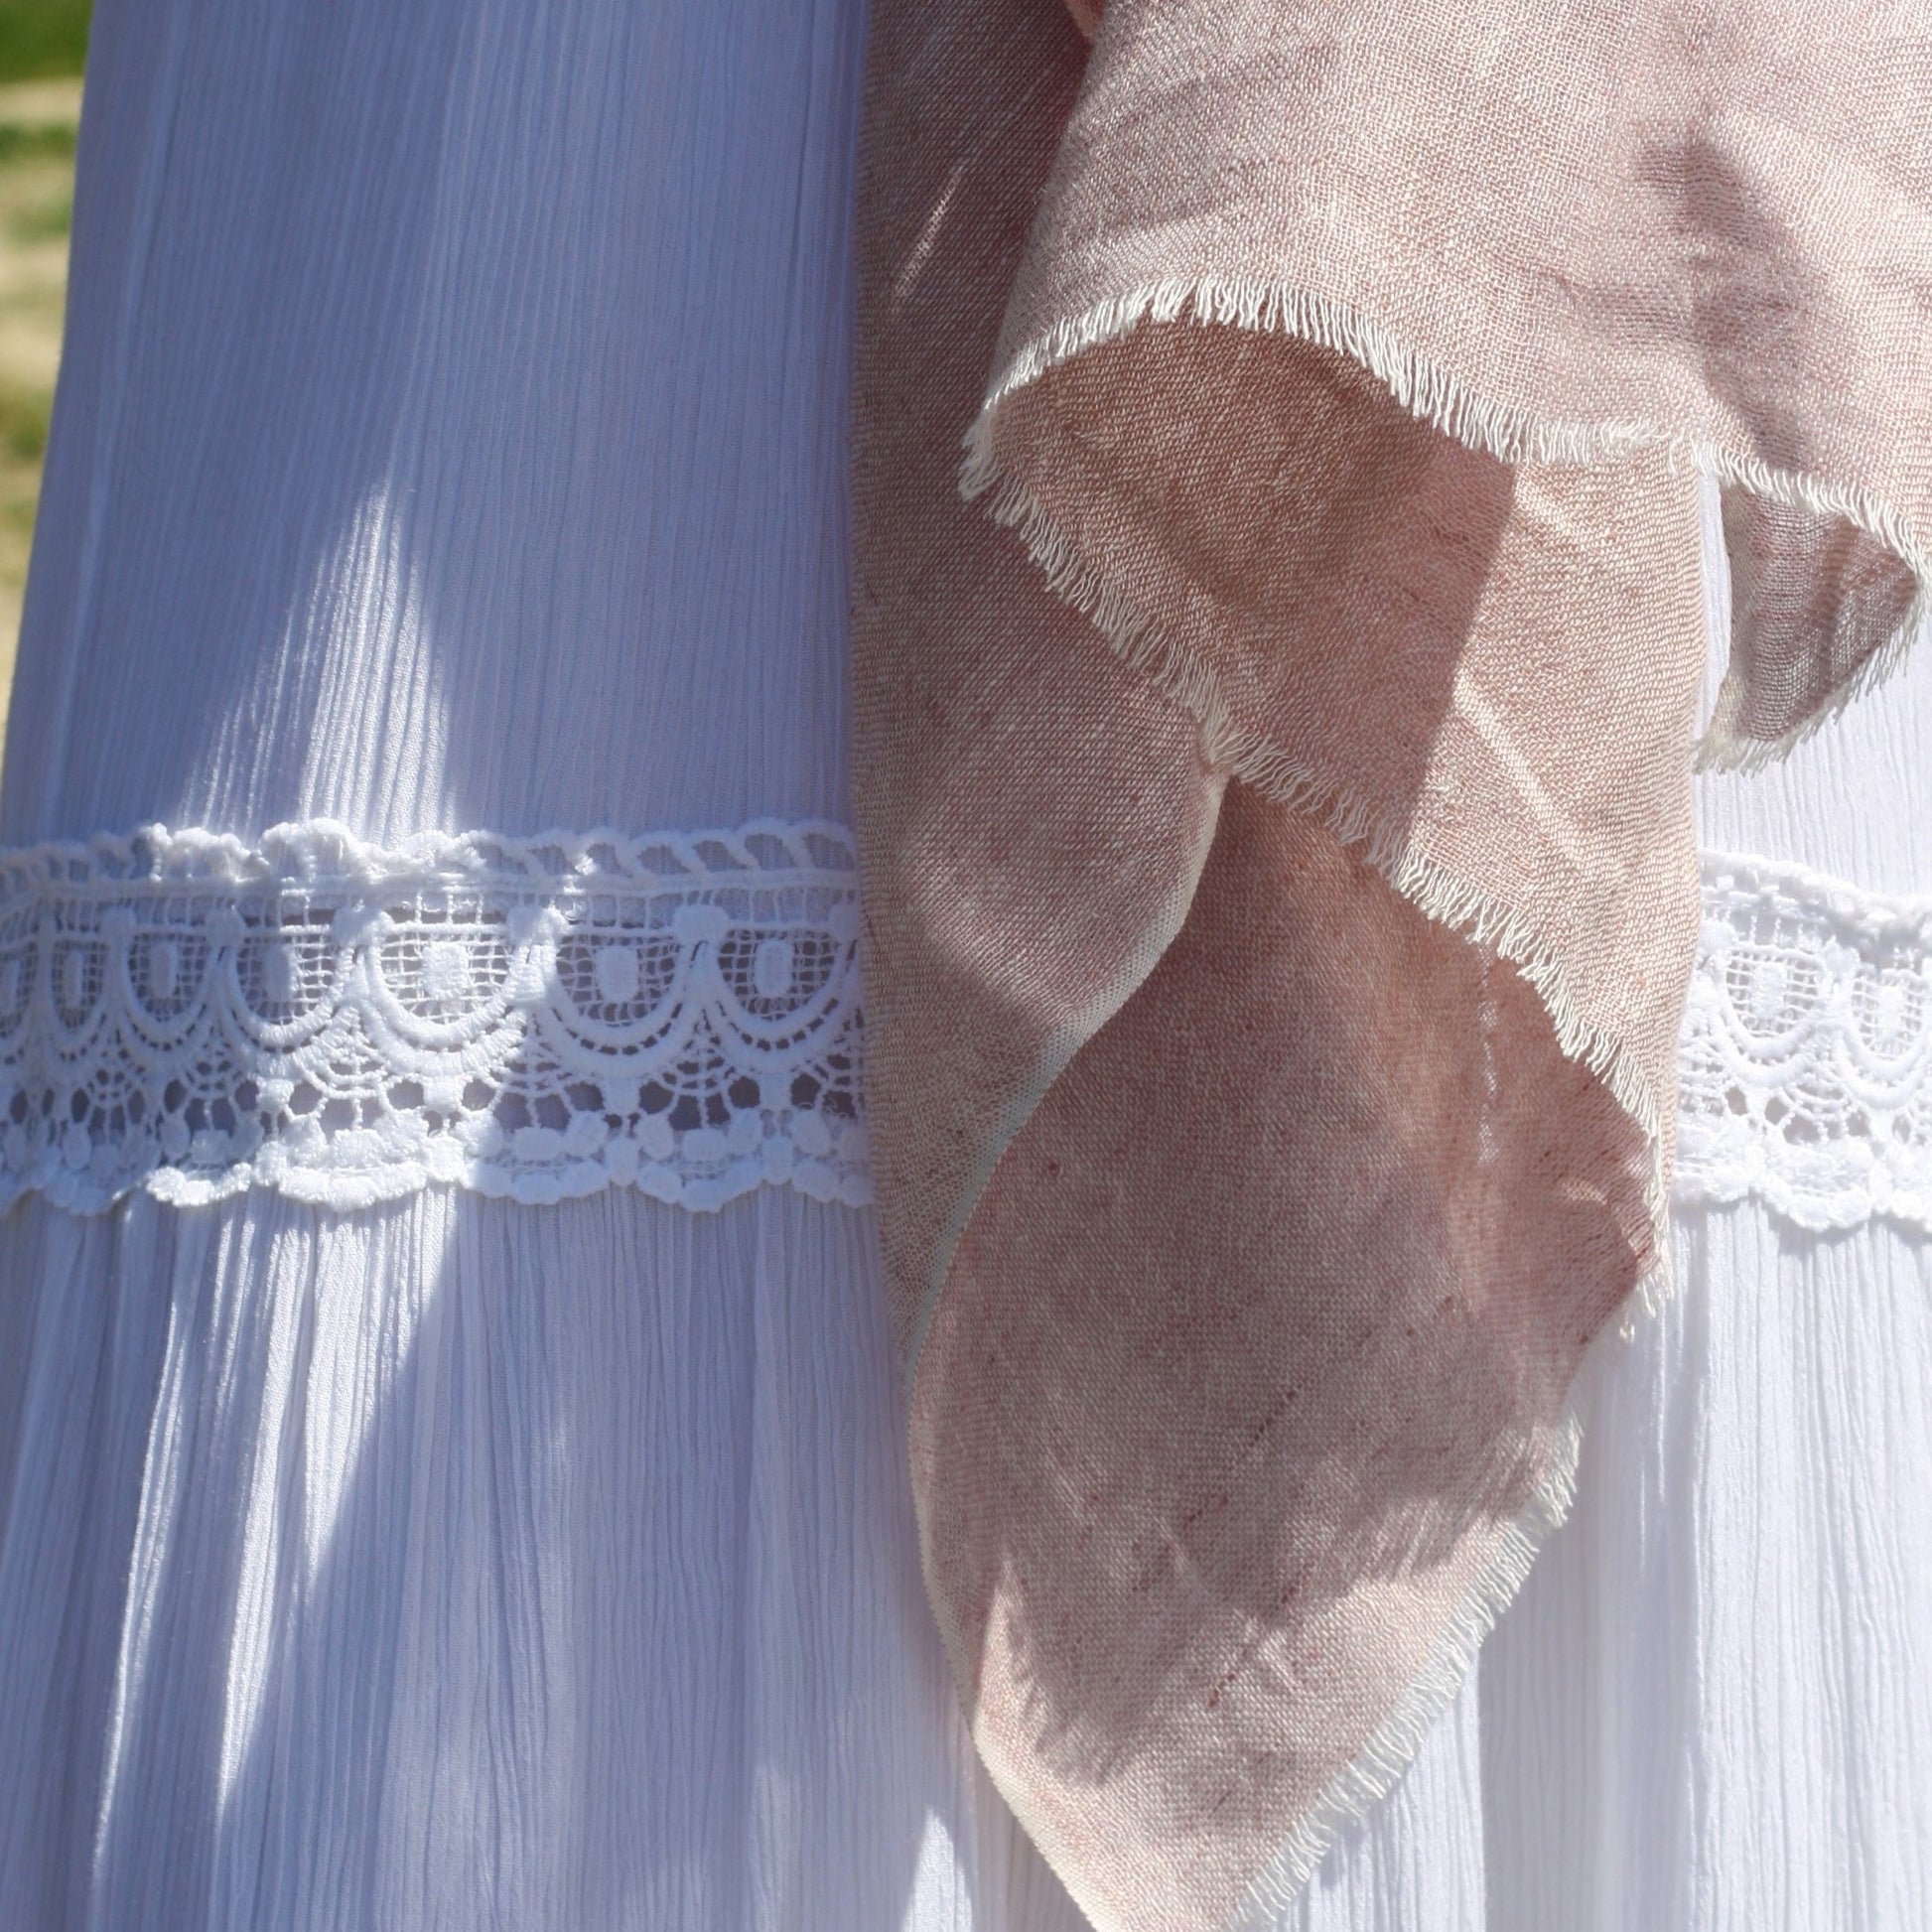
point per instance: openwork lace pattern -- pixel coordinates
(1803, 1067)
(538, 1019)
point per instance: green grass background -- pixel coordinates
(39, 39)
(42, 44)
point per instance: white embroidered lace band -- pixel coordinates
(535, 1018)
(1805, 1064)
(542, 1018)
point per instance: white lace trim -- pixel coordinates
(542, 1018)
(1803, 1067)
(534, 1017)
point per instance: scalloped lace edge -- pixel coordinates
(1805, 1062)
(193, 1015)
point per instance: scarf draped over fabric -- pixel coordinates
(1275, 738)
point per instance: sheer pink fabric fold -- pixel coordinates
(1274, 798)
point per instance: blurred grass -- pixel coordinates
(43, 40)
(43, 43)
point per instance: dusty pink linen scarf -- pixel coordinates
(1273, 791)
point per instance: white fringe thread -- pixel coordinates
(1390, 1750)
(1396, 1741)
(1433, 395)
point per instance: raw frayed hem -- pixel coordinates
(1392, 1748)
(1723, 750)
(1433, 395)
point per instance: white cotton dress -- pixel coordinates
(449, 1470)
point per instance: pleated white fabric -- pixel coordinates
(451, 437)
(451, 426)
(1711, 1706)
(489, 1567)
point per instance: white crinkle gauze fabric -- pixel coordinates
(458, 1564)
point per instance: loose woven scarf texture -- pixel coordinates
(1275, 753)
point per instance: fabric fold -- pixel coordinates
(1275, 814)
